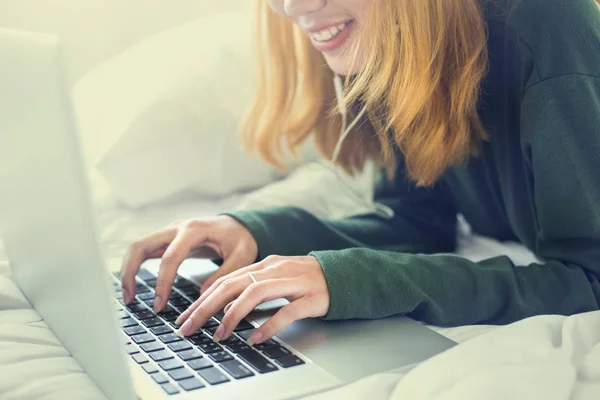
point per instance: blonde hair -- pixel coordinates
(424, 64)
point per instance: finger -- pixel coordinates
(204, 294)
(177, 251)
(136, 254)
(234, 262)
(228, 290)
(294, 311)
(254, 295)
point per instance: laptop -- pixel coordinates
(47, 224)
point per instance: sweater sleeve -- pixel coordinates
(424, 221)
(560, 133)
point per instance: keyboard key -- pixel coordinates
(170, 388)
(175, 296)
(170, 316)
(127, 322)
(135, 306)
(289, 361)
(161, 330)
(150, 368)
(209, 348)
(236, 369)
(146, 296)
(151, 282)
(152, 322)
(266, 345)
(237, 347)
(167, 309)
(181, 303)
(145, 314)
(257, 361)
(121, 314)
(181, 282)
(243, 325)
(213, 376)
(131, 349)
(180, 374)
(152, 346)
(199, 339)
(161, 355)
(188, 355)
(160, 378)
(145, 275)
(220, 356)
(149, 303)
(231, 340)
(276, 352)
(180, 346)
(140, 358)
(140, 289)
(191, 384)
(211, 330)
(173, 324)
(143, 338)
(210, 323)
(170, 338)
(169, 365)
(190, 291)
(134, 330)
(199, 363)
(245, 334)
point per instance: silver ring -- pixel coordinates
(251, 275)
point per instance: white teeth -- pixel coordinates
(329, 33)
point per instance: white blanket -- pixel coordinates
(545, 358)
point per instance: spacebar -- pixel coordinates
(256, 361)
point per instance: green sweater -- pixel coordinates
(537, 181)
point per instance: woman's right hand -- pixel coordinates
(219, 237)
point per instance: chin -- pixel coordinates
(339, 65)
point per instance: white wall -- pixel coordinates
(93, 30)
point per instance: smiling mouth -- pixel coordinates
(330, 33)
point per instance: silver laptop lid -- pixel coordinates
(45, 214)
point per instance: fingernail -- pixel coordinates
(186, 328)
(219, 333)
(179, 320)
(255, 337)
(157, 304)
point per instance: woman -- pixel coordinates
(490, 109)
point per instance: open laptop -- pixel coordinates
(48, 227)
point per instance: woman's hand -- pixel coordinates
(221, 237)
(300, 280)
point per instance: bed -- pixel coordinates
(550, 357)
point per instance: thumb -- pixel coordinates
(234, 262)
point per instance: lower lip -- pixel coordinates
(334, 43)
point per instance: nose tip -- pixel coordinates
(296, 8)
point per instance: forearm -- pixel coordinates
(448, 290)
(291, 231)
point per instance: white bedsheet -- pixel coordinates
(33, 364)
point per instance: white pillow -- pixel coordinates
(161, 118)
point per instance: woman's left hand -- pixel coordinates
(300, 280)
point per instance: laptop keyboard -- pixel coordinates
(186, 364)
